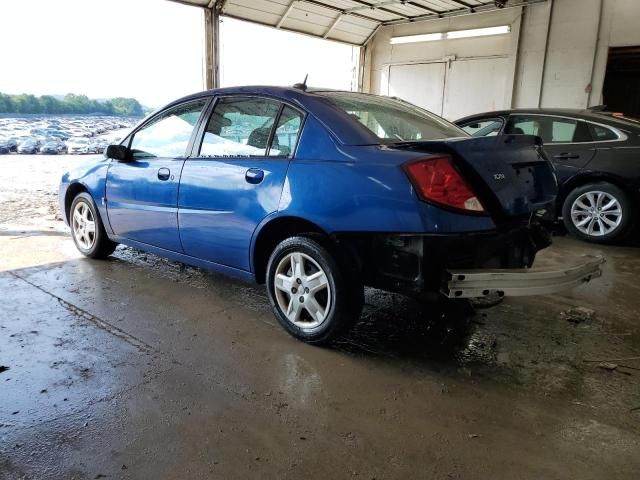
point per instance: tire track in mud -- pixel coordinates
(82, 314)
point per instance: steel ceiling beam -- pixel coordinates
(377, 6)
(482, 8)
(380, 6)
(385, 6)
(464, 5)
(333, 25)
(286, 14)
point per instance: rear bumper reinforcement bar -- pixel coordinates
(519, 282)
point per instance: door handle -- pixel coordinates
(254, 175)
(164, 174)
(566, 156)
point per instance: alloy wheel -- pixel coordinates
(596, 213)
(302, 290)
(83, 225)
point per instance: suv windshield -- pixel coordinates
(393, 120)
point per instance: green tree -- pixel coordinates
(26, 103)
(49, 104)
(127, 106)
(71, 103)
(6, 104)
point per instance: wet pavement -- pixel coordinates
(138, 367)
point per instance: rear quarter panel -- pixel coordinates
(362, 189)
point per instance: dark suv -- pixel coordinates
(597, 158)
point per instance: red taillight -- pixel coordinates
(436, 180)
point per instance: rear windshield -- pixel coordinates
(393, 120)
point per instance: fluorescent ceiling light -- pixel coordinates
(480, 32)
(430, 37)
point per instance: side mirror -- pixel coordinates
(119, 153)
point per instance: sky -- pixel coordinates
(151, 50)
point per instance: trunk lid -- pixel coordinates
(509, 174)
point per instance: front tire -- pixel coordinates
(598, 212)
(314, 296)
(87, 229)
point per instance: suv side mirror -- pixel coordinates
(119, 153)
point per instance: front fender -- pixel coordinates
(92, 177)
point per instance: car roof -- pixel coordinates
(598, 116)
(344, 129)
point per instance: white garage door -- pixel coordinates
(425, 92)
(453, 89)
(473, 86)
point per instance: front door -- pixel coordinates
(142, 195)
(237, 177)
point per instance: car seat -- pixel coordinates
(514, 131)
(581, 133)
(260, 137)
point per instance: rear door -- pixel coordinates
(236, 177)
(567, 141)
(142, 195)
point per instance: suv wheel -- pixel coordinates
(597, 212)
(313, 297)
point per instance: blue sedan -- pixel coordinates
(317, 194)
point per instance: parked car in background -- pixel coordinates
(29, 146)
(318, 193)
(98, 145)
(597, 159)
(50, 148)
(12, 143)
(77, 145)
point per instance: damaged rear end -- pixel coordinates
(505, 178)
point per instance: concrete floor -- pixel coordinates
(137, 367)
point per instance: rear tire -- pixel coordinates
(598, 212)
(314, 295)
(87, 229)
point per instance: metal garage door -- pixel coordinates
(452, 89)
(421, 84)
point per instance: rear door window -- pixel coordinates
(240, 127)
(601, 134)
(287, 132)
(550, 129)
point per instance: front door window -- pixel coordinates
(168, 135)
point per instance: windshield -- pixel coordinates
(393, 120)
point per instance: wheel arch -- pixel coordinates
(72, 191)
(273, 232)
(586, 178)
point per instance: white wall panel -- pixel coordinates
(421, 84)
(475, 85)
